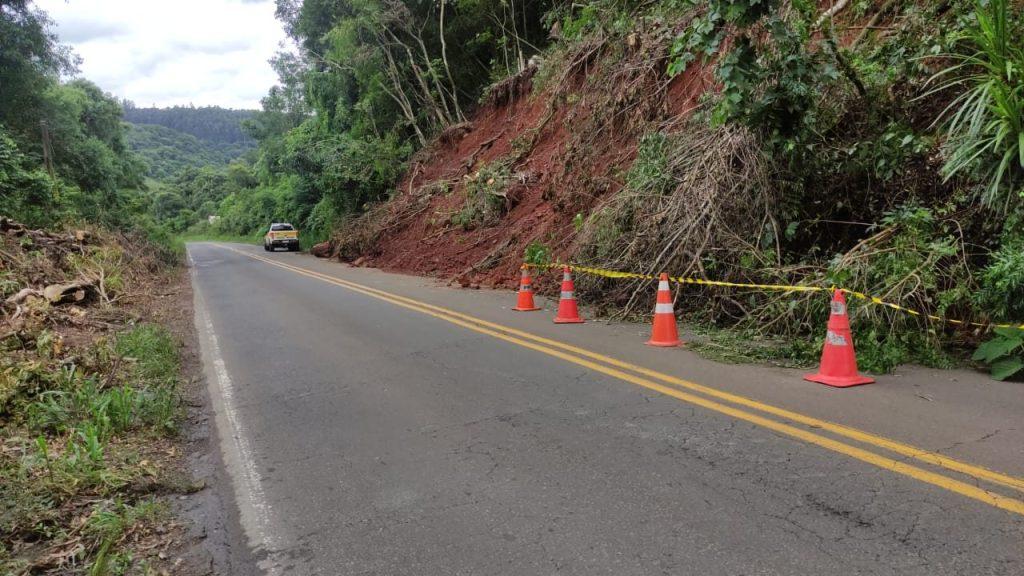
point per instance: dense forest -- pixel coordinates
(167, 152)
(211, 124)
(67, 151)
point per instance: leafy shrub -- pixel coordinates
(537, 254)
(1004, 353)
(918, 261)
(651, 171)
(27, 194)
(487, 196)
(322, 220)
(768, 77)
(915, 259)
(580, 19)
(1002, 282)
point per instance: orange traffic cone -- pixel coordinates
(664, 332)
(568, 313)
(525, 303)
(838, 361)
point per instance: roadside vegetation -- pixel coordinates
(870, 145)
(90, 398)
(90, 404)
(891, 161)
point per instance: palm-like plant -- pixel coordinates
(985, 123)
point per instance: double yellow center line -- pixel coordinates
(710, 398)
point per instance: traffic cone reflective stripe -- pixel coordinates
(664, 331)
(568, 313)
(838, 359)
(525, 302)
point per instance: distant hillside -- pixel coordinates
(168, 151)
(209, 123)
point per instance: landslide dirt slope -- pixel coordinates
(568, 136)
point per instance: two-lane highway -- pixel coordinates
(368, 433)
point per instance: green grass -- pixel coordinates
(109, 523)
(110, 519)
(154, 352)
(876, 353)
(736, 346)
(81, 437)
(105, 412)
(212, 237)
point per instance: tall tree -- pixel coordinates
(30, 61)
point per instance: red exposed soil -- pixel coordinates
(561, 175)
(427, 245)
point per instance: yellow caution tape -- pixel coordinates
(777, 287)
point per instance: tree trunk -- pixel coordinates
(448, 70)
(398, 94)
(428, 98)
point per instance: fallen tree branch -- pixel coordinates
(831, 12)
(23, 295)
(872, 23)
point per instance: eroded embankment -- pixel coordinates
(546, 149)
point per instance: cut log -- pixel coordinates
(453, 134)
(66, 293)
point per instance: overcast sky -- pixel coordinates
(167, 52)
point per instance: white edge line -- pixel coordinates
(236, 449)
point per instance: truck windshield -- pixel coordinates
(280, 227)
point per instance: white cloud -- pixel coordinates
(203, 52)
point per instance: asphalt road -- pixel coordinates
(363, 435)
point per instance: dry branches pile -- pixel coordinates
(66, 279)
(697, 202)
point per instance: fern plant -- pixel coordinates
(985, 124)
